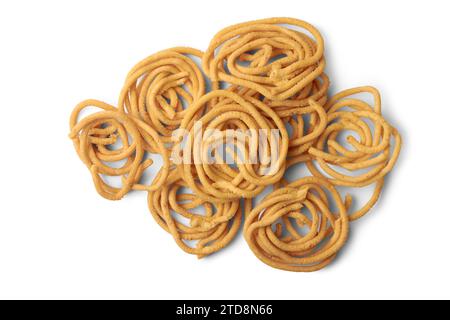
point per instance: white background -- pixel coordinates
(60, 239)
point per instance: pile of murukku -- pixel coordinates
(180, 105)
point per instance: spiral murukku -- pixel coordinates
(372, 144)
(160, 88)
(211, 230)
(219, 181)
(266, 111)
(94, 137)
(274, 60)
(273, 228)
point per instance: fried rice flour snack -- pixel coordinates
(229, 123)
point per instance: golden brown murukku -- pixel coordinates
(272, 228)
(269, 90)
(212, 229)
(219, 182)
(316, 91)
(160, 88)
(307, 124)
(262, 55)
(93, 138)
(369, 152)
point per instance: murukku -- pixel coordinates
(212, 230)
(160, 88)
(108, 137)
(371, 149)
(274, 228)
(266, 111)
(218, 181)
(316, 91)
(274, 60)
(307, 124)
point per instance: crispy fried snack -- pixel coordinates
(371, 151)
(212, 231)
(160, 88)
(220, 182)
(278, 62)
(93, 137)
(267, 109)
(271, 229)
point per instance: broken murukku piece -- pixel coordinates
(110, 137)
(211, 230)
(268, 57)
(294, 228)
(160, 88)
(258, 134)
(358, 147)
